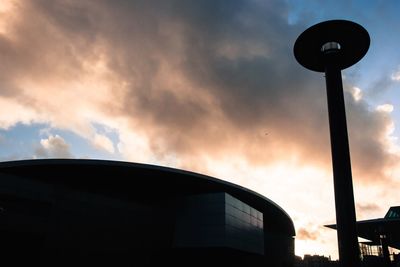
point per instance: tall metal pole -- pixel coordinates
(344, 199)
(330, 47)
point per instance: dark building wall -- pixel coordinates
(200, 221)
(244, 226)
(59, 227)
(57, 223)
(86, 227)
(279, 248)
(218, 220)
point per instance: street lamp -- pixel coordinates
(329, 47)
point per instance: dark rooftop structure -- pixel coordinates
(88, 212)
(382, 233)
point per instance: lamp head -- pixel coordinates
(349, 42)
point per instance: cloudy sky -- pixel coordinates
(210, 86)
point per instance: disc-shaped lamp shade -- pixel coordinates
(352, 38)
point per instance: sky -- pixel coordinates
(208, 86)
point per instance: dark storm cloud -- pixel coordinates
(196, 77)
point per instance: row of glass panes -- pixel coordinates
(236, 203)
(249, 221)
(241, 215)
(393, 214)
(212, 203)
(251, 231)
(254, 213)
(242, 224)
(220, 219)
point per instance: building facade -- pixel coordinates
(91, 212)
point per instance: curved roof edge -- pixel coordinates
(13, 166)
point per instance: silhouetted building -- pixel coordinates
(382, 233)
(315, 261)
(91, 212)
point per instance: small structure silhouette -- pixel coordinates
(382, 233)
(315, 261)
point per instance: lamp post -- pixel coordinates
(329, 47)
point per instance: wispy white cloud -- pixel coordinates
(388, 108)
(356, 93)
(103, 142)
(396, 75)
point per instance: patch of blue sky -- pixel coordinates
(314, 11)
(17, 142)
(111, 133)
(82, 148)
(21, 141)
